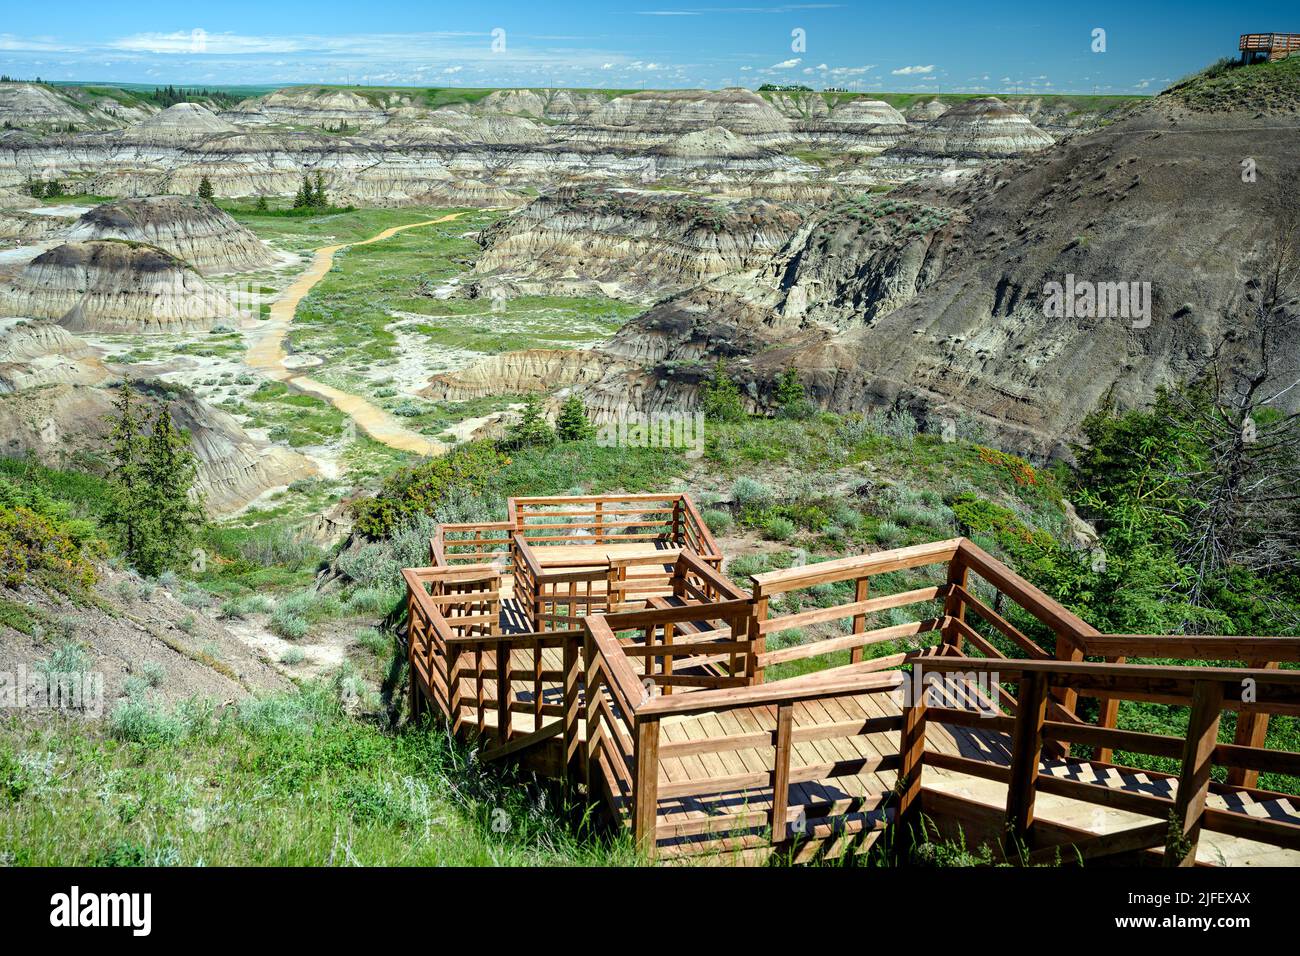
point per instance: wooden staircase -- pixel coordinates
(636, 669)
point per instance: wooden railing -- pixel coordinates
(1207, 691)
(464, 665)
(1277, 45)
(471, 543)
(859, 570)
(613, 519)
(647, 646)
(769, 729)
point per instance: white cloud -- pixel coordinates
(789, 64)
(910, 70)
(199, 41)
(453, 69)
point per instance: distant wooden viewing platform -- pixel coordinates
(1275, 45)
(595, 639)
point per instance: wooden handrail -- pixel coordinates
(1201, 648)
(688, 561)
(616, 663)
(831, 685)
(1060, 620)
(842, 569)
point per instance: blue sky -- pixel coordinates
(907, 46)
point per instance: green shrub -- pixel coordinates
(372, 600)
(748, 493)
(52, 550)
(141, 720)
(68, 658)
(374, 641)
(778, 529)
(717, 520)
(888, 535)
(467, 470)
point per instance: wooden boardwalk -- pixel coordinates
(634, 668)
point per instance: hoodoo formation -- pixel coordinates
(190, 229)
(114, 286)
(983, 128)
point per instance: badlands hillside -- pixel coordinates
(394, 147)
(931, 297)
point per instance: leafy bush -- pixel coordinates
(467, 470)
(749, 493)
(717, 520)
(778, 529)
(142, 720)
(68, 658)
(374, 641)
(40, 540)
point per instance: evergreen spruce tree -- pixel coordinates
(532, 429)
(790, 396)
(303, 197)
(205, 189)
(722, 396)
(572, 424)
(318, 194)
(152, 513)
(174, 514)
(125, 516)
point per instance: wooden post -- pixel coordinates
(953, 605)
(538, 688)
(859, 620)
(593, 691)
(1108, 716)
(1194, 778)
(453, 686)
(600, 522)
(645, 793)
(781, 773)
(757, 642)
(667, 667)
(1067, 697)
(573, 765)
(503, 691)
(478, 689)
(911, 752)
(739, 629)
(412, 630)
(1026, 751)
(1252, 728)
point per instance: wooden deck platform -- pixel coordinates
(636, 669)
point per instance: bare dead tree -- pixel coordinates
(1245, 482)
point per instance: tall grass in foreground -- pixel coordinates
(286, 780)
